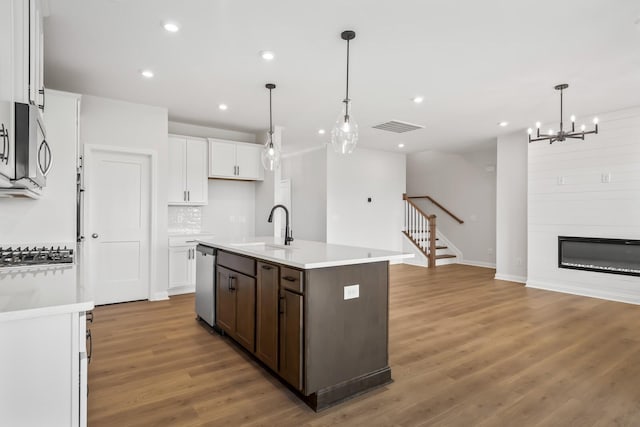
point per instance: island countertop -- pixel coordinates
(303, 254)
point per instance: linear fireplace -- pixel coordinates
(615, 256)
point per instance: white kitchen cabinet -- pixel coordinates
(187, 171)
(182, 266)
(43, 359)
(235, 160)
(36, 54)
(182, 262)
(22, 46)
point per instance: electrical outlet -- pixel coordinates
(561, 180)
(605, 178)
(351, 292)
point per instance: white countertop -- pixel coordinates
(188, 233)
(40, 291)
(304, 254)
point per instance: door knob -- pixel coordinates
(94, 235)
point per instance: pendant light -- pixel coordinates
(344, 135)
(270, 153)
(562, 134)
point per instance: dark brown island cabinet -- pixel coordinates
(322, 341)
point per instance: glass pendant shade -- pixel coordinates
(270, 157)
(344, 135)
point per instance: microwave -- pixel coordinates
(25, 155)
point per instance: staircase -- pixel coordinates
(420, 229)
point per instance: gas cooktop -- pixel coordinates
(10, 257)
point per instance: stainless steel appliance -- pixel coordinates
(206, 283)
(25, 155)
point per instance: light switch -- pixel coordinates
(605, 178)
(351, 292)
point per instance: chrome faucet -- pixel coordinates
(288, 237)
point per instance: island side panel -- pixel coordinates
(345, 339)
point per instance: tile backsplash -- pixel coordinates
(185, 218)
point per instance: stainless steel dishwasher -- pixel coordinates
(206, 283)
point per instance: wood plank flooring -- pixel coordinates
(465, 350)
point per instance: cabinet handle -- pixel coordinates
(41, 92)
(231, 283)
(188, 195)
(190, 254)
(289, 278)
(184, 196)
(90, 339)
(4, 134)
(283, 305)
(267, 267)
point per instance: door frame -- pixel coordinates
(88, 152)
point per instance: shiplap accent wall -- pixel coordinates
(567, 197)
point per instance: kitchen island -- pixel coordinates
(315, 314)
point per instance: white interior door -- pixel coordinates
(118, 194)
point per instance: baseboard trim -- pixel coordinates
(159, 296)
(511, 278)
(583, 292)
(181, 290)
(478, 263)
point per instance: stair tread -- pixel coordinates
(445, 256)
(442, 247)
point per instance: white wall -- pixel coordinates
(123, 124)
(231, 209)
(465, 184)
(511, 207)
(307, 171)
(584, 206)
(52, 218)
(351, 179)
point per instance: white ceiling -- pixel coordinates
(475, 62)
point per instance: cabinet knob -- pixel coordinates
(94, 235)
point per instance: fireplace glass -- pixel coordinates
(615, 256)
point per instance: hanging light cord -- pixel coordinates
(270, 120)
(346, 99)
(561, 111)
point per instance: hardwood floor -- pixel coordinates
(465, 350)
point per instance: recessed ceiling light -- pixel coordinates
(321, 131)
(171, 27)
(503, 124)
(418, 99)
(147, 73)
(400, 145)
(267, 55)
(223, 106)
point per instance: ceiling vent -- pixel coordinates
(397, 126)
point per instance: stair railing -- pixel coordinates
(445, 210)
(420, 228)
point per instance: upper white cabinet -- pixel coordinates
(187, 171)
(22, 44)
(234, 160)
(36, 54)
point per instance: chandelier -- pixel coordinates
(562, 135)
(270, 153)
